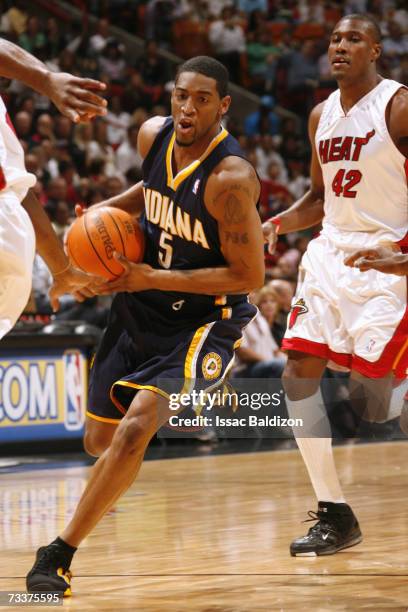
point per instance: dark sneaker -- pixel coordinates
(50, 572)
(336, 528)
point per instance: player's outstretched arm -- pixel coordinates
(66, 279)
(230, 197)
(384, 259)
(308, 210)
(76, 98)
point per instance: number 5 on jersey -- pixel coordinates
(166, 249)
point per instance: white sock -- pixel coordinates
(314, 440)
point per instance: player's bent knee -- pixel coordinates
(134, 434)
(98, 437)
(295, 386)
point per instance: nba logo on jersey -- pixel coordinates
(196, 186)
(75, 390)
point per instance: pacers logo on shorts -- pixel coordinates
(75, 389)
(298, 308)
(212, 366)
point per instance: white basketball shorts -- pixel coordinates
(17, 250)
(357, 319)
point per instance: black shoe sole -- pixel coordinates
(328, 551)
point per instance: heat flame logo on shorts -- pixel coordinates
(298, 308)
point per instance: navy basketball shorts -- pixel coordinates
(151, 353)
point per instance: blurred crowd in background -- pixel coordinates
(276, 49)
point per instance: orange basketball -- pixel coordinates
(92, 239)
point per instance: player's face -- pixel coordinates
(196, 107)
(352, 49)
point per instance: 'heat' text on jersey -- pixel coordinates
(162, 211)
(340, 148)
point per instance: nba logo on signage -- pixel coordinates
(75, 389)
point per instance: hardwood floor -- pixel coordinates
(211, 534)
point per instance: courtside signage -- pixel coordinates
(43, 396)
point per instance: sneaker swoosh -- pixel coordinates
(325, 536)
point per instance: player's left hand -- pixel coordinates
(136, 277)
(76, 98)
(76, 282)
(381, 258)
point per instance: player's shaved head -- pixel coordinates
(371, 24)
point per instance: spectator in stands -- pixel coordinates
(284, 291)
(23, 125)
(117, 121)
(112, 64)
(275, 196)
(395, 45)
(299, 181)
(99, 148)
(264, 120)
(153, 70)
(98, 41)
(158, 20)
(127, 155)
(33, 39)
(44, 128)
(136, 94)
(113, 186)
(228, 41)
(249, 6)
(262, 60)
(61, 216)
(67, 171)
(265, 154)
(83, 136)
(56, 191)
(258, 356)
(55, 39)
(14, 20)
(302, 78)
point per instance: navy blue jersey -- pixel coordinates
(180, 232)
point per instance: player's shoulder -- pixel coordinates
(148, 132)
(399, 101)
(232, 174)
(232, 169)
(316, 113)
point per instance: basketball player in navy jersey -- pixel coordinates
(359, 138)
(178, 315)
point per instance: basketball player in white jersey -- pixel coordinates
(23, 222)
(359, 138)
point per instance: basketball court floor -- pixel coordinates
(211, 534)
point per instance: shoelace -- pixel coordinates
(322, 524)
(47, 556)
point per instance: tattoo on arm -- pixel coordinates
(236, 237)
(234, 211)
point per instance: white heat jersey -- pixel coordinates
(13, 174)
(365, 175)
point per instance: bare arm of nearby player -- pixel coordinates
(66, 278)
(384, 259)
(388, 259)
(132, 200)
(73, 96)
(308, 211)
(230, 197)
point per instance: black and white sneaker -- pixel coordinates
(336, 528)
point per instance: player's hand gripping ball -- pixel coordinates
(94, 237)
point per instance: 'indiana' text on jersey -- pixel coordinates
(180, 232)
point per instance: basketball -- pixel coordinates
(92, 239)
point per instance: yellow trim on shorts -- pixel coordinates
(226, 313)
(102, 419)
(125, 383)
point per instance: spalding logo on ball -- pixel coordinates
(92, 239)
